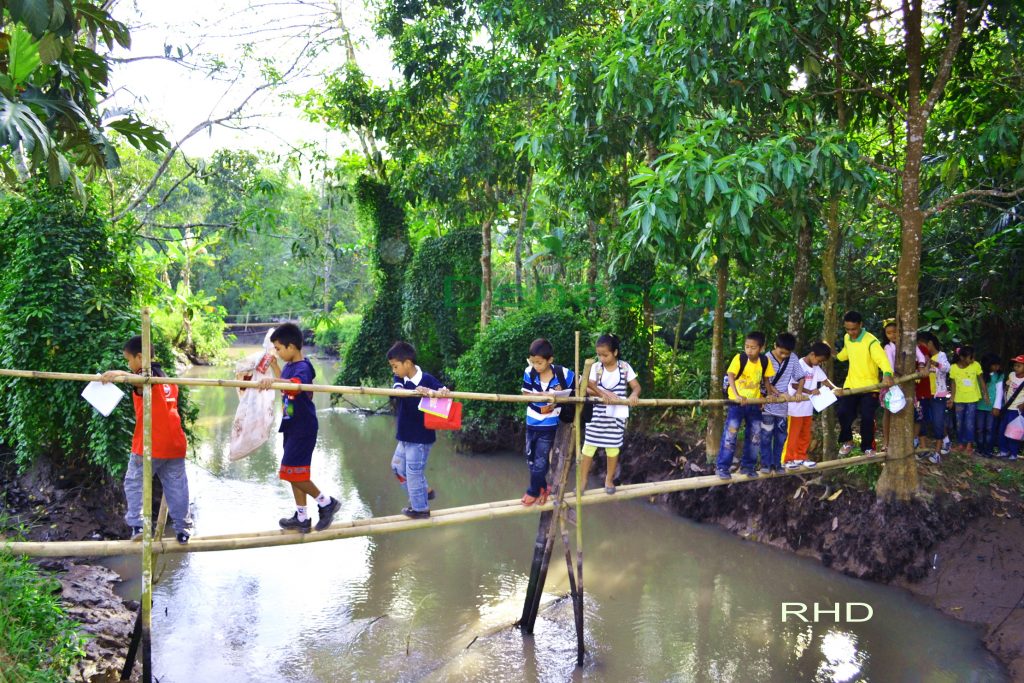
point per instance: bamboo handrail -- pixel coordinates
(406, 393)
(386, 525)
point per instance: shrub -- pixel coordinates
(38, 642)
(335, 331)
(495, 364)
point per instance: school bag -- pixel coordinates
(743, 365)
(568, 412)
(588, 408)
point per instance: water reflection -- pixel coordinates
(666, 600)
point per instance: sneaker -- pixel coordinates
(543, 497)
(917, 442)
(869, 452)
(777, 470)
(431, 494)
(750, 473)
(935, 458)
(417, 514)
(845, 449)
(809, 463)
(182, 537)
(723, 474)
(765, 470)
(1012, 458)
(294, 523)
(1002, 455)
(327, 514)
(794, 464)
(527, 500)
(610, 490)
(135, 533)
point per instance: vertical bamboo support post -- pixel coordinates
(147, 501)
(581, 390)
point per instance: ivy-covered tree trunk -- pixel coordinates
(364, 359)
(716, 418)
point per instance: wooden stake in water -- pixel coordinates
(147, 501)
(581, 390)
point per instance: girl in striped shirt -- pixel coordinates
(609, 379)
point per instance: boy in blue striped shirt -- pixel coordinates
(542, 376)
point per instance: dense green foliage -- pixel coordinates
(495, 363)
(440, 311)
(335, 331)
(68, 303)
(381, 325)
(38, 643)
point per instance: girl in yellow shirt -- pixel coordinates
(967, 386)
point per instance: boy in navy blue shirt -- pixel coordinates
(542, 376)
(414, 439)
(300, 426)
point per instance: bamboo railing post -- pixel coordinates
(147, 501)
(581, 390)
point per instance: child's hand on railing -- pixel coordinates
(266, 382)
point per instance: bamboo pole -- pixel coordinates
(406, 393)
(377, 526)
(581, 390)
(147, 502)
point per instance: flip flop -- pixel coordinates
(609, 490)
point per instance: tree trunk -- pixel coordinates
(592, 265)
(486, 294)
(716, 418)
(830, 326)
(801, 278)
(521, 235)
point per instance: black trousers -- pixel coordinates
(849, 408)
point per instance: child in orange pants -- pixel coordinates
(808, 378)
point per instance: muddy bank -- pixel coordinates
(62, 502)
(960, 548)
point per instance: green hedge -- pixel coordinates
(495, 363)
(38, 642)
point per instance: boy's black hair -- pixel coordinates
(786, 340)
(288, 334)
(926, 337)
(756, 336)
(134, 345)
(608, 340)
(541, 347)
(402, 351)
(987, 361)
(965, 351)
(821, 349)
(853, 317)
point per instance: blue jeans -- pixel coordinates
(773, 438)
(751, 414)
(985, 425)
(965, 416)
(172, 476)
(934, 423)
(409, 464)
(538, 448)
(1006, 444)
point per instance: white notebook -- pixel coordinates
(823, 399)
(103, 397)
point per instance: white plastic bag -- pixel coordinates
(254, 419)
(894, 400)
(1015, 429)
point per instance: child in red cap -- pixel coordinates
(1011, 408)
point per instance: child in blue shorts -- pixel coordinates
(299, 426)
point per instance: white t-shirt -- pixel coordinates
(1012, 382)
(610, 378)
(813, 377)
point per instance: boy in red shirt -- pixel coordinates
(169, 448)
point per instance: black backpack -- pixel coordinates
(568, 410)
(743, 365)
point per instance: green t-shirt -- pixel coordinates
(968, 386)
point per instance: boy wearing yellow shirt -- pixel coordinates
(746, 379)
(967, 388)
(867, 358)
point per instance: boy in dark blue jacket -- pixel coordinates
(414, 439)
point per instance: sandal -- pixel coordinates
(543, 497)
(609, 490)
(528, 500)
